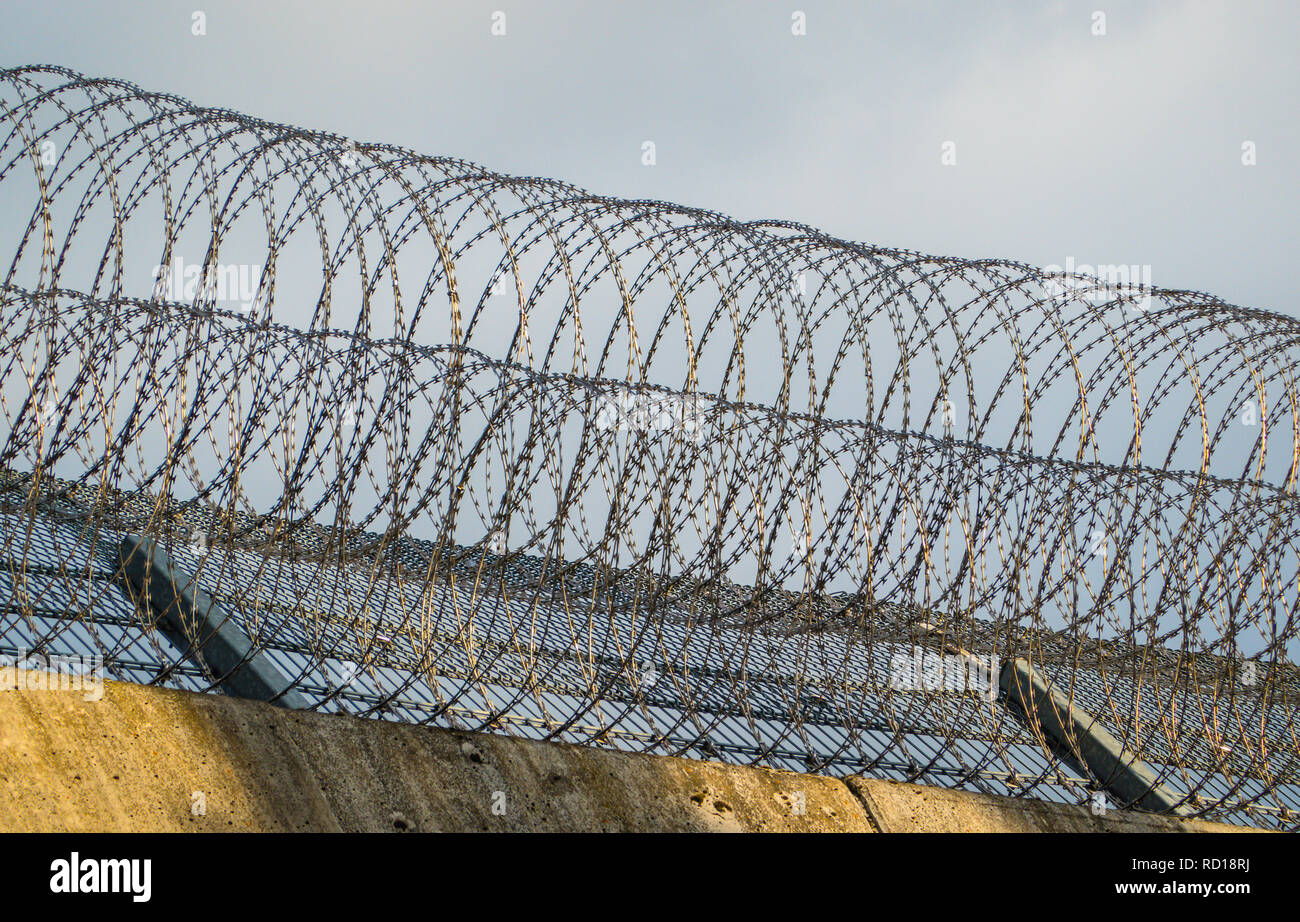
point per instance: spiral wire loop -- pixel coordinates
(631, 474)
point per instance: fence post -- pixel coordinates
(1083, 736)
(172, 600)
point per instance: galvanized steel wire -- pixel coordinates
(498, 453)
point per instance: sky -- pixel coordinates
(1125, 147)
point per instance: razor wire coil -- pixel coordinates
(501, 454)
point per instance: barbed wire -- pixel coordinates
(632, 474)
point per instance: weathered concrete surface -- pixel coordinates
(899, 807)
(144, 759)
(133, 761)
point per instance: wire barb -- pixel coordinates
(490, 452)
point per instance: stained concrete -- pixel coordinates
(135, 760)
(899, 807)
(148, 759)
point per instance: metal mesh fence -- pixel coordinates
(631, 474)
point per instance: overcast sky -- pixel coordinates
(1120, 148)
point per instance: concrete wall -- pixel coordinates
(140, 758)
